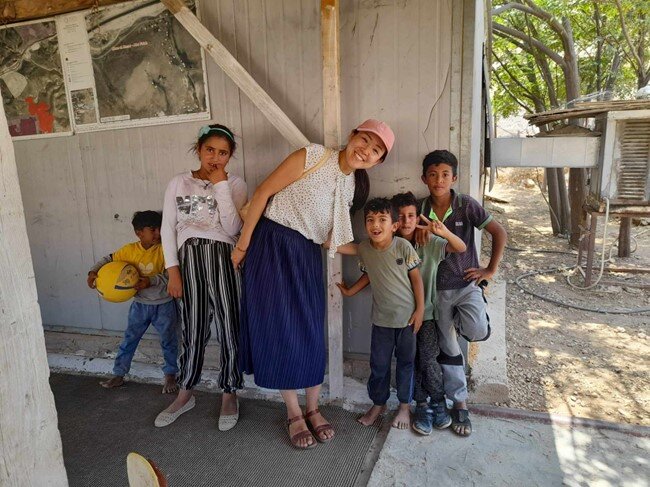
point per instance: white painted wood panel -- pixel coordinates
(55, 199)
(545, 151)
(395, 65)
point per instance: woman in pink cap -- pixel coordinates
(304, 203)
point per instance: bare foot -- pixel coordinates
(297, 427)
(113, 382)
(228, 404)
(462, 430)
(170, 385)
(461, 425)
(184, 395)
(402, 419)
(371, 415)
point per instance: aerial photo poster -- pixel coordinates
(126, 65)
(31, 80)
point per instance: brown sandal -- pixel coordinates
(318, 430)
(300, 435)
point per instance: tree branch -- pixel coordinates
(572, 70)
(532, 9)
(512, 6)
(627, 36)
(516, 99)
(552, 22)
(532, 43)
(619, 44)
(645, 80)
(562, 29)
(526, 91)
(530, 74)
(547, 76)
(644, 75)
(611, 77)
(541, 62)
(599, 48)
(515, 42)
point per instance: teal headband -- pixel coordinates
(206, 129)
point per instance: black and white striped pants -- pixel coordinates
(211, 290)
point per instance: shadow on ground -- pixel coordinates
(514, 452)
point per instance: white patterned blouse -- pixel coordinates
(318, 203)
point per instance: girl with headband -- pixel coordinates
(200, 226)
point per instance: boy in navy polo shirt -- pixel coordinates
(461, 303)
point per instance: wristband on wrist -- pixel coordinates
(240, 249)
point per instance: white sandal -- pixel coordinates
(165, 419)
(228, 421)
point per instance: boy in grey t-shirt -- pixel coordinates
(390, 265)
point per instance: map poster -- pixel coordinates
(144, 69)
(31, 80)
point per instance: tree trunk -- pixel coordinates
(613, 75)
(553, 200)
(565, 208)
(577, 195)
(577, 176)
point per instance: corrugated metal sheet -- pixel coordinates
(79, 192)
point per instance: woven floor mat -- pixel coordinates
(99, 427)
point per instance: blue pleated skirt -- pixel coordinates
(282, 309)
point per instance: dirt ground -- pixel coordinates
(566, 360)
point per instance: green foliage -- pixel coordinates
(524, 77)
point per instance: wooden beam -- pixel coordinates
(329, 10)
(636, 285)
(30, 445)
(629, 270)
(237, 73)
(20, 10)
(456, 92)
(331, 72)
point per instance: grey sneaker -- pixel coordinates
(423, 420)
(440, 416)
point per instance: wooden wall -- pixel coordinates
(79, 192)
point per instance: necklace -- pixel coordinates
(205, 183)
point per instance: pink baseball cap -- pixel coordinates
(381, 130)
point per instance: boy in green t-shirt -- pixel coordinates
(390, 265)
(429, 393)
